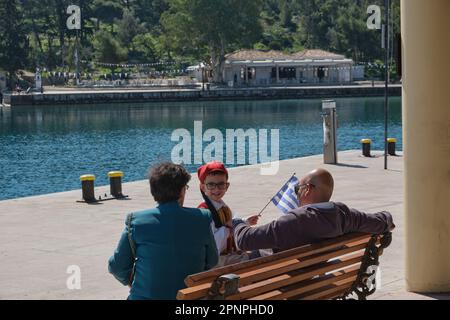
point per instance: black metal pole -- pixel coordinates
(77, 58)
(386, 80)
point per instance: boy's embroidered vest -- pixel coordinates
(222, 218)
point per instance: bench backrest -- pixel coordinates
(335, 268)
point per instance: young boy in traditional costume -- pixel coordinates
(214, 184)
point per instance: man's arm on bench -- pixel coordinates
(267, 236)
(294, 229)
(374, 223)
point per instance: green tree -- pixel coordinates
(107, 11)
(35, 26)
(87, 20)
(128, 28)
(145, 48)
(278, 38)
(218, 25)
(108, 49)
(193, 30)
(13, 42)
(60, 9)
(149, 11)
(286, 15)
(354, 38)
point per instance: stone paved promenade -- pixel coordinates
(41, 236)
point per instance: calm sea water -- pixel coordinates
(45, 149)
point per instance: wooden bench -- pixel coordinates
(340, 268)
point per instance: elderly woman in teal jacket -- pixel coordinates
(160, 247)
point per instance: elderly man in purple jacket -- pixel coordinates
(315, 220)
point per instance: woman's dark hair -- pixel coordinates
(167, 180)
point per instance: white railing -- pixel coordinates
(138, 83)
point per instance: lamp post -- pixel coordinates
(74, 23)
(386, 80)
(374, 22)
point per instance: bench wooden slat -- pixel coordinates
(335, 290)
(334, 295)
(309, 285)
(258, 288)
(325, 270)
(247, 278)
(297, 253)
(273, 270)
(194, 293)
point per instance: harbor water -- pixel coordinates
(44, 149)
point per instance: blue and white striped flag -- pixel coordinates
(286, 199)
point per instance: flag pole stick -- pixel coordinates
(259, 214)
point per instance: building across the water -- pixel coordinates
(262, 68)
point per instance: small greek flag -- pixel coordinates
(286, 199)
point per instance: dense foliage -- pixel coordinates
(34, 32)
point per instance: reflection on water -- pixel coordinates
(45, 149)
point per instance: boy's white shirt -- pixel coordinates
(220, 234)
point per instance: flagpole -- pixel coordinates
(259, 214)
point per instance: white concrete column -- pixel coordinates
(246, 74)
(278, 74)
(426, 132)
(351, 72)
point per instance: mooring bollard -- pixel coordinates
(366, 147)
(115, 183)
(87, 186)
(391, 146)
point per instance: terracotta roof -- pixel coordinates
(257, 55)
(273, 54)
(318, 54)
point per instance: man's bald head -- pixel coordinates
(323, 184)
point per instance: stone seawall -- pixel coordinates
(117, 96)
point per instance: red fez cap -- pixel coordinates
(214, 166)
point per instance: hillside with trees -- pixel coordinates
(118, 34)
